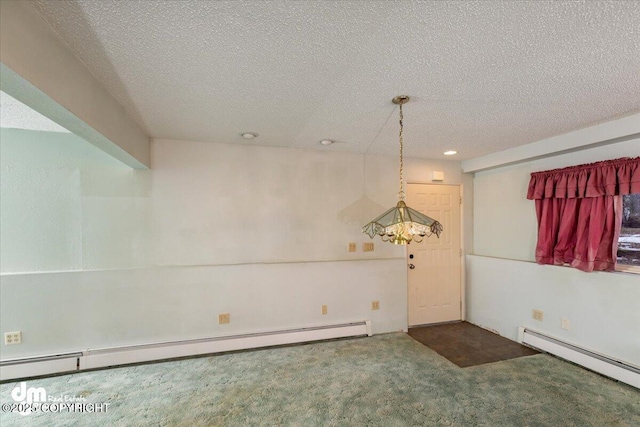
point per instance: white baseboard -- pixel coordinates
(99, 358)
(36, 366)
(591, 360)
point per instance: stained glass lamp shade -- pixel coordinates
(401, 225)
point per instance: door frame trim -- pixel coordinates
(463, 280)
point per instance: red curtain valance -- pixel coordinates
(607, 178)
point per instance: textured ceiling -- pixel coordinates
(483, 75)
(14, 114)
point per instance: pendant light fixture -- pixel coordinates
(400, 225)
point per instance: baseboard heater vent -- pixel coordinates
(36, 366)
(604, 365)
(99, 358)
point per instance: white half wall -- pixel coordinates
(603, 308)
(77, 311)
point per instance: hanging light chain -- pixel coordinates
(401, 225)
(401, 192)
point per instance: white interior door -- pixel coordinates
(435, 281)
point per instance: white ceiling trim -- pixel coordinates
(15, 115)
(623, 129)
(41, 72)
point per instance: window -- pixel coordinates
(629, 241)
(579, 215)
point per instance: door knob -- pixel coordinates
(411, 266)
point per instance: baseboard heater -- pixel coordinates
(604, 365)
(36, 366)
(100, 358)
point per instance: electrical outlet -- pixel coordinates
(375, 305)
(367, 247)
(11, 338)
(538, 315)
(352, 247)
(223, 318)
(565, 323)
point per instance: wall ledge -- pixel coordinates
(612, 132)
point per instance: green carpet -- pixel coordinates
(385, 380)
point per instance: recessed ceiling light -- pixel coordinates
(450, 152)
(249, 135)
(327, 141)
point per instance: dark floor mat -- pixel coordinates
(468, 345)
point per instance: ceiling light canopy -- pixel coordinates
(400, 225)
(450, 152)
(327, 141)
(249, 135)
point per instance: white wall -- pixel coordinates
(260, 233)
(603, 308)
(65, 205)
(505, 221)
(218, 204)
